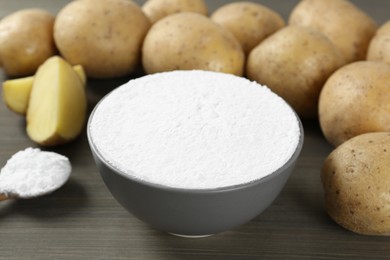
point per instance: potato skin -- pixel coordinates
(355, 100)
(249, 22)
(158, 9)
(379, 48)
(295, 62)
(356, 183)
(26, 41)
(105, 37)
(186, 41)
(347, 26)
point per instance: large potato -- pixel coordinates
(186, 41)
(295, 62)
(379, 48)
(355, 100)
(105, 37)
(26, 41)
(158, 9)
(356, 182)
(249, 22)
(348, 27)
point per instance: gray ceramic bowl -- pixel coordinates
(189, 212)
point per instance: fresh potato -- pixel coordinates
(379, 48)
(81, 73)
(295, 62)
(355, 100)
(186, 41)
(105, 37)
(249, 22)
(158, 9)
(348, 27)
(26, 41)
(356, 183)
(56, 112)
(16, 92)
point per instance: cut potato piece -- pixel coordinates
(57, 106)
(81, 72)
(16, 92)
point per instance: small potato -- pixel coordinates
(348, 27)
(158, 9)
(105, 37)
(379, 49)
(356, 183)
(355, 100)
(295, 62)
(249, 22)
(26, 41)
(186, 41)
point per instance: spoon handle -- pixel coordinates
(3, 197)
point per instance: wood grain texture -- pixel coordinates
(83, 221)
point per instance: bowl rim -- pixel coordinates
(244, 185)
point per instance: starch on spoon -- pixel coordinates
(31, 172)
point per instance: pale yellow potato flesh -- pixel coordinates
(16, 92)
(81, 73)
(56, 112)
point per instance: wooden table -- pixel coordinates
(83, 221)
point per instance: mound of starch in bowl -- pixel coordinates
(194, 130)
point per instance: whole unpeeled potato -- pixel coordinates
(347, 26)
(356, 183)
(105, 37)
(250, 22)
(295, 62)
(186, 41)
(26, 41)
(379, 48)
(158, 9)
(355, 100)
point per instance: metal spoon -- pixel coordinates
(31, 173)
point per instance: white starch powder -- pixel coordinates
(194, 130)
(32, 172)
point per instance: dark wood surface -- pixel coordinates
(83, 221)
